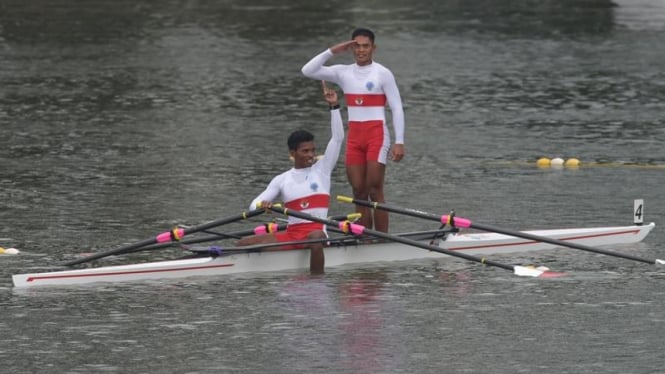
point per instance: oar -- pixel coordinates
(357, 229)
(464, 222)
(258, 230)
(345, 240)
(218, 251)
(261, 229)
(268, 227)
(168, 236)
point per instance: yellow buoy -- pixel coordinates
(543, 162)
(572, 163)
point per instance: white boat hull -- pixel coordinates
(476, 244)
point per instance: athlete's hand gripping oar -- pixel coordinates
(168, 236)
(357, 229)
(464, 222)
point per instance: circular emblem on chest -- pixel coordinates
(304, 204)
(359, 101)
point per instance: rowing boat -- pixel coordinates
(343, 253)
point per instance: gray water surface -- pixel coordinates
(121, 119)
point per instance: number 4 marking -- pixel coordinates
(638, 211)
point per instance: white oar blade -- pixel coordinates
(536, 272)
(527, 271)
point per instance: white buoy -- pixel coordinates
(9, 251)
(556, 162)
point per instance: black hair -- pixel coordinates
(363, 32)
(297, 137)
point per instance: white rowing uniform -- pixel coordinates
(308, 189)
(366, 90)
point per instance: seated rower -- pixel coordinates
(305, 187)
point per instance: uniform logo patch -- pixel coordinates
(359, 101)
(314, 186)
(369, 86)
(304, 204)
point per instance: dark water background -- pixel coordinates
(120, 119)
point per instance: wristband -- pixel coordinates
(333, 107)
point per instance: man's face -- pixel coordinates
(363, 50)
(303, 157)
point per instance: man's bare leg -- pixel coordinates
(257, 239)
(376, 172)
(358, 180)
(316, 257)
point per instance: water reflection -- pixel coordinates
(362, 323)
(349, 309)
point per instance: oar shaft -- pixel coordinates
(221, 236)
(464, 222)
(357, 229)
(223, 221)
(166, 237)
(390, 208)
(335, 241)
(261, 246)
(99, 255)
(558, 242)
(258, 230)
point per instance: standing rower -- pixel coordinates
(367, 86)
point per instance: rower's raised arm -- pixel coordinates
(315, 69)
(334, 146)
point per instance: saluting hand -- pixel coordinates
(343, 46)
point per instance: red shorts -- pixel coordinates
(297, 231)
(367, 141)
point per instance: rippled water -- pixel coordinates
(121, 119)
